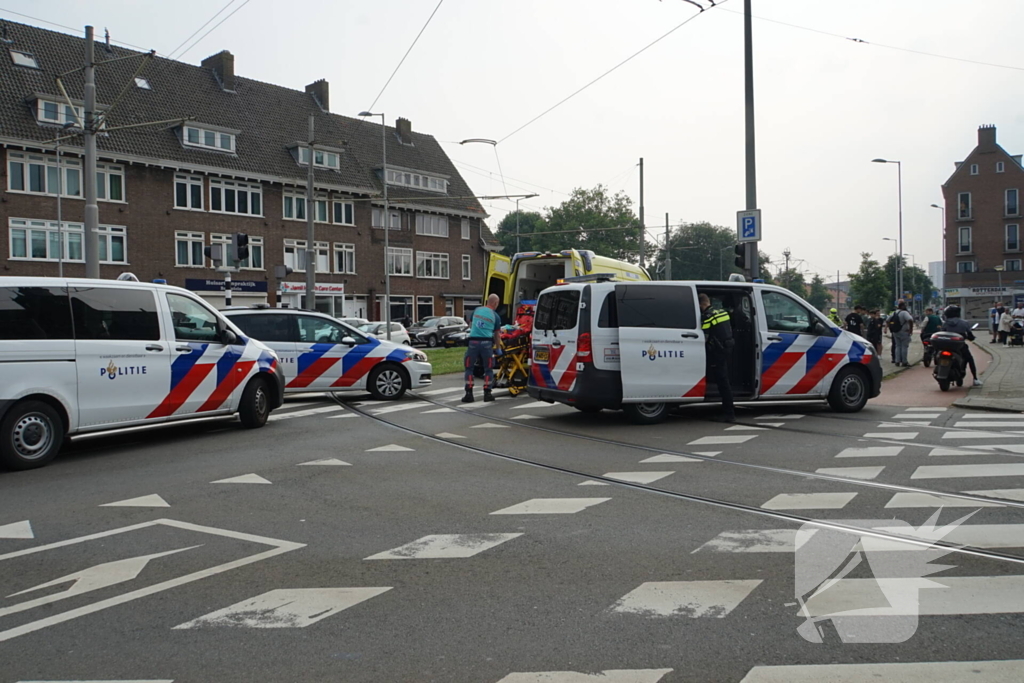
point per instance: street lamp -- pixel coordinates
(385, 219)
(999, 269)
(943, 283)
(895, 267)
(529, 196)
(899, 178)
(70, 128)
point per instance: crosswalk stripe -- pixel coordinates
(901, 436)
(435, 392)
(852, 472)
(756, 541)
(917, 416)
(870, 452)
(606, 676)
(692, 599)
(398, 408)
(925, 597)
(783, 540)
(953, 451)
(920, 409)
(712, 440)
(303, 413)
(991, 416)
(996, 671)
(958, 471)
(809, 501)
(1008, 494)
(912, 499)
(535, 404)
(976, 435)
(1001, 423)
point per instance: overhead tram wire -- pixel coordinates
(200, 39)
(415, 40)
(75, 31)
(622, 63)
(170, 55)
(524, 182)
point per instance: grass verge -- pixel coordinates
(446, 361)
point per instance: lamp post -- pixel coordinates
(999, 269)
(70, 129)
(529, 196)
(899, 180)
(913, 282)
(943, 287)
(895, 267)
(385, 219)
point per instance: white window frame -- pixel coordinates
(419, 181)
(960, 240)
(1006, 237)
(72, 233)
(65, 113)
(190, 238)
(201, 141)
(25, 59)
(431, 225)
(322, 158)
(396, 219)
(1006, 201)
(189, 181)
(69, 166)
(255, 260)
(347, 209)
(344, 258)
(424, 301)
(959, 205)
(465, 229)
(965, 267)
(324, 204)
(221, 187)
(105, 174)
(449, 307)
(1008, 269)
(467, 267)
(298, 262)
(1000, 167)
(298, 203)
(432, 262)
(400, 262)
(142, 83)
(974, 169)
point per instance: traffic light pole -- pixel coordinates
(748, 67)
(227, 288)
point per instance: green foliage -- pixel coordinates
(915, 280)
(591, 219)
(701, 251)
(869, 286)
(793, 280)
(819, 296)
(529, 222)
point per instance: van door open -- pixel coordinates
(499, 281)
(577, 263)
(661, 345)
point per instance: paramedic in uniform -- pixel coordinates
(718, 343)
(484, 330)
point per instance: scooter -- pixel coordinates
(1016, 336)
(929, 352)
(949, 359)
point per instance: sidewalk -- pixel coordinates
(915, 355)
(1003, 387)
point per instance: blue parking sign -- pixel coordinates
(748, 225)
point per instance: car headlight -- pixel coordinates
(416, 355)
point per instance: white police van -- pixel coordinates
(639, 347)
(79, 356)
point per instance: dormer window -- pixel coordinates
(417, 180)
(209, 138)
(57, 113)
(24, 59)
(322, 158)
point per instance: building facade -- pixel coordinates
(229, 155)
(983, 217)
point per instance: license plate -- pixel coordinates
(541, 355)
(944, 361)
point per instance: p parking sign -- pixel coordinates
(748, 226)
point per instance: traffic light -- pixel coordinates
(741, 256)
(215, 252)
(239, 250)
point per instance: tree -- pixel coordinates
(819, 296)
(529, 222)
(701, 251)
(915, 280)
(591, 219)
(869, 286)
(793, 280)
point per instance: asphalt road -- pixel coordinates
(424, 540)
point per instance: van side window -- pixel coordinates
(608, 317)
(112, 313)
(34, 313)
(320, 331)
(783, 314)
(558, 310)
(267, 328)
(667, 306)
(192, 321)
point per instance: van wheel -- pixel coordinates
(32, 434)
(387, 382)
(645, 413)
(849, 392)
(255, 406)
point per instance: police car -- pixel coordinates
(320, 353)
(80, 356)
(639, 347)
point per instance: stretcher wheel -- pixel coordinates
(514, 390)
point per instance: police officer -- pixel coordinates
(833, 315)
(718, 349)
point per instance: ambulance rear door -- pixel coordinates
(661, 344)
(499, 281)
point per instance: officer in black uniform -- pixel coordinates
(718, 349)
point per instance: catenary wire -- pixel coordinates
(215, 26)
(170, 55)
(69, 28)
(414, 41)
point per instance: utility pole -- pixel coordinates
(668, 252)
(786, 254)
(310, 210)
(92, 209)
(748, 68)
(643, 226)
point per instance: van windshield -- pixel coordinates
(558, 310)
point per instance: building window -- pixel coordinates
(964, 245)
(431, 225)
(39, 174)
(209, 139)
(449, 307)
(320, 214)
(255, 260)
(1012, 207)
(467, 267)
(142, 84)
(465, 228)
(1000, 167)
(965, 267)
(188, 192)
(424, 307)
(344, 258)
(1012, 237)
(396, 219)
(399, 261)
(344, 213)
(57, 113)
(110, 182)
(188, 249)
(41, 241)
(974, 169)
(431, 264)
(24, 59)
(295, 256)
(295, 207)
(1012, 264)
(230, 196)
(321, 158)
(417, 180)
(964, 201)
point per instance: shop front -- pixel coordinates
(330, 298)
(975, 302)
(243, 292)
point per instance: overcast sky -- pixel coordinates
(825, 106)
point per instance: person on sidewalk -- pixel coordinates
(855, 321)
(833, 315)
(993, 322)
(876, 328)
(718, 343)
(954, 323)
(1005, 320)
(902, 330)
(1018, 311)
(483, 338)
(932, 323)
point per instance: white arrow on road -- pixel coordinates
(91, 579)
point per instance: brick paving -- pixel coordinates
(1003, 387)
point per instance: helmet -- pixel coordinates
(953, 312)
(833, 310)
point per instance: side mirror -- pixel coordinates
(228, 337)
(348, 341)
(821, 329)
(975, 326)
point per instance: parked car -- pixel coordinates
(379, 330)
(456, 339)
(319, 353)
(82, 356)
(431, 331)
(354, 322)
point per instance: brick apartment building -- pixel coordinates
(983, 228)
(232, 156)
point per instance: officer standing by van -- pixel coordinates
(718, 343)
(484, 328)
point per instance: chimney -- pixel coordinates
(987, 136)
(223, 66)
(404, 128)
(321, 92)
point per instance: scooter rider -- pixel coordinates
(954, 323)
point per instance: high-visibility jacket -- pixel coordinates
(717, 333)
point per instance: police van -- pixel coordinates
(80, 356)
(639, 347)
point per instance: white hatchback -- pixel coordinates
(379, 330)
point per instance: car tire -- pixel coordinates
(849, 392)
(387, 382)
(646, 413)
(432, 341)
(31, 435)
(254, 408)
